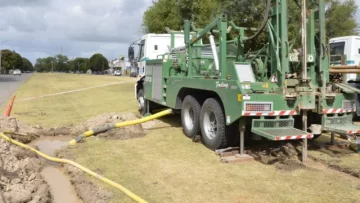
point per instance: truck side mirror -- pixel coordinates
(131, 53)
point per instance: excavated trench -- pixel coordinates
(39, 180)
(60, 185)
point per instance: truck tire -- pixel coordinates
(142, 102)
(190, 116)
(212, 123)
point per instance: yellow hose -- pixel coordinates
(98, 176)
(119, 125)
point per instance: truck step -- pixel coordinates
(341, 125)
(278, 129)
(282, 134)
(164, 95)
(164, 86)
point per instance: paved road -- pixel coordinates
(9, 84)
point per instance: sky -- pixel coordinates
(75, 28)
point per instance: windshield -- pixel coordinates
(337, 48)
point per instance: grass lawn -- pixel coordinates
(165, 166)
(74, 107)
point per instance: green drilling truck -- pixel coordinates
(275, 93)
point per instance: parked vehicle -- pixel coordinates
(117, 73)
(227, 95)
(345, 60)
(133, 74)
(349, 48)
(17, 72)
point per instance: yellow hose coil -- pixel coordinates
(110, 182)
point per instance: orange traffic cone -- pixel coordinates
(9, 107)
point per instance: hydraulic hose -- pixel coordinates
(264, 22)
(58, 160)
(119, 125)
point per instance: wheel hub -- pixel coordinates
(189, 117)
(210, 125)
(141, 102)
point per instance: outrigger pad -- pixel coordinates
(278, 129)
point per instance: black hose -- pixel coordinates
(266, 17)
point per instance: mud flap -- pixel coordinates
(278, 129)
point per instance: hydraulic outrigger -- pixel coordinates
(274, 93)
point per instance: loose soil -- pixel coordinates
(20, 179)
(284, 155)
(128, 132)
(24, 176)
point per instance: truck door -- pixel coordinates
(142, 61)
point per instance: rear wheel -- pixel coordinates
(190, 116)
(212, 123)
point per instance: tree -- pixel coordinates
(98, 62)
(340, 16)
(10, 60)
(79, 64)
(27, 65)
(47, 64)
(62, 63)
(162, 14)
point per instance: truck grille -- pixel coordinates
(258, 107)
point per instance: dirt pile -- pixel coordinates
(283, 156)
(13, 125)
(20, 179)
(128, 132)
(26, 133)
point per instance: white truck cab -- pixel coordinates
(151, 46)
(348, 46)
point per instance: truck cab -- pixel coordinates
(349, 48)
(150, 46)
(345, 50)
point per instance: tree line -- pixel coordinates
(61, 63)
(340, 15)
(11, 60)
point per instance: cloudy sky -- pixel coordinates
(41, 28)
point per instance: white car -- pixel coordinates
(117, 73)
(17, 72)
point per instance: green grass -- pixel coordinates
(71, 108)
(165, 166)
